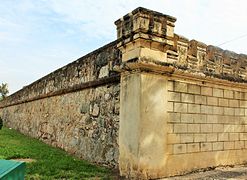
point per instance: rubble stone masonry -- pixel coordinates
(75, 108)
(152, 103)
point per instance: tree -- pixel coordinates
(3, 90)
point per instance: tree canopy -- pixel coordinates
(3, 90)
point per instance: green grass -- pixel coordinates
(51, 163)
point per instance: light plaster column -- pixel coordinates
(145, 38)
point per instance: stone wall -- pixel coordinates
(181, 124)
(75, 108)
(207, 124)
(82, 73)
(195, 56)
(181, 105)
(204, 118)
(84, 123)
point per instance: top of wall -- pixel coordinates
(155, 31)
(96, 65)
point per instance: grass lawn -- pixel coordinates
(51, 163)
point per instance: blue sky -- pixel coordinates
(39, 36)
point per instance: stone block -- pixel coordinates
(233, 103)
(170, 106)
(233, 136)
(200, 137)
(229, 111)
(207, 91)
(194, 108)
(206, 109)
(223, 119)
(95, 110)
(229, 145)
(227, 120)
(223, 137)
(174, 96)
(243, 136)
(189, 98)
(212, 119)
(200, 99)
(218, 146)
(245, 95)
(243, 120)
(206, 147)
(180, 128)
(212, 101)
(218, 92)
(186, 138)
(193, 147)
(236, 119)
(239, 128)
(206, 128)
(229, 128)
(245, 112)
(239, 95)
(218, 128)
(173, 117)
(170, 85)
(218, 110)
(200, 118)
(180, 107)
(187, 118)
(223, 102)
(194, 89)
(179, 148)
(212, 137)
(243, 104)
(180, 87)
(104, 71)
(239, 111)
(239, 145)
(228, 93)
(193, 128)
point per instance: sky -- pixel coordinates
(40, 36)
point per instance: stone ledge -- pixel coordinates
(77, 87)
(148, 34)
(176, 71)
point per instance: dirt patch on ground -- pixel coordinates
(27, 160)
(221, 173)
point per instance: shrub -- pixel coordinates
(1, 123)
